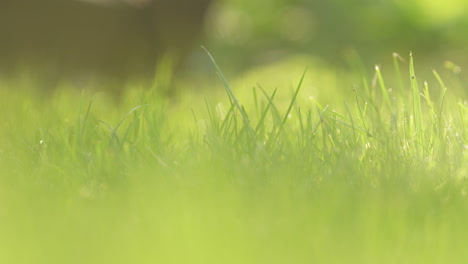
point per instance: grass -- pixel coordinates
(376, 175)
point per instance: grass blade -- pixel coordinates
(396, 64)
(293, 100)
(231, 93)
(382, 86)
(416, 98)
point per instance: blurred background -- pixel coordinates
(125, 39)
(333, 28)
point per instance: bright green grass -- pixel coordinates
(261, 175)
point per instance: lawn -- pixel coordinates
(292, 162)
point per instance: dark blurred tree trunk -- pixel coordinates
(116, 39)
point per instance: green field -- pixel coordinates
(292, 162)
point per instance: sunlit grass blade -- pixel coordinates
(427, 97)
(254, 93)
(383, 87)
(228, 118)
(321, 118)
(444, 90)
(116, 141)
(416, 99)
(396, 64)
(273, 109)
(231, 93)
(362, 113)
(340, 119)
(463, 111)
(293, 99)
(83, 120)
(266, 110)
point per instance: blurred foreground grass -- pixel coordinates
(306, 173)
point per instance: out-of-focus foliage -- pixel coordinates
(264, 30)
(130, 37)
